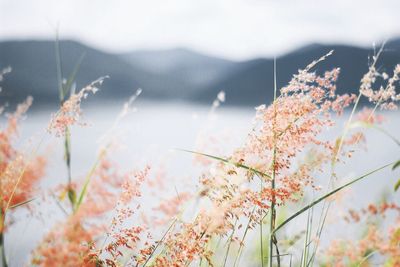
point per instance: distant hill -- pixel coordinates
(252, 84)
(176, 74)
(190, 68)
(34, 72)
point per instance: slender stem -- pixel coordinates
(272, 226)
(306, 240)
(67, 144)
(59, 68)
(159, 242)
(67, 139)
(320, 227)
(346, 129)
(229, 243)
(272, 237)
(67, 149)
(261, 236)
(324, 213)
(241, 245)
(3, 250)
(19, 180)
(366, 258)
(388, 134)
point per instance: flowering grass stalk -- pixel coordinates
(68, 115)
(315, 202)
(366, 89)
(2, 247)
(302, 84)
(64, 90)
(272, 237)
(274, 167)
(19, 171)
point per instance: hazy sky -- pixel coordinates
(231, 28)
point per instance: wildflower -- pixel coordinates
(384, 244)
(119, 234)
(70, 111)
(386, 96)
(20, 173)
(281, 133)
(170, 207)
(73, 242)
(67, 244)
(369, 117)
(285, 144)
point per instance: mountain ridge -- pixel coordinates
(173, 74)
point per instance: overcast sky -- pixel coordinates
(235, 29)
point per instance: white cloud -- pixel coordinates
(231, 28)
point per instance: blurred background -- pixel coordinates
(180, 50)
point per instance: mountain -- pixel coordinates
(34, 73)
(252, 84)
(34, 69)
(174, 74)
(188, 67)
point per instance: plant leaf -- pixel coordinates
(72, 196)
(397, 164)
(87, 180)
(59, 68)
(236, 164)
(397, 185)
(312, 204)
(22, 203)
(68, 88)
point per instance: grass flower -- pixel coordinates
(70, 111)
(74, 240)
(386, 96)
(376, 243)
(278, 162)
(20, 173)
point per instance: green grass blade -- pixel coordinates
(307, 242)
(68, 85)
(397, 185)
(329, 194)
(272, 222)
(22, 203)
(67, 153)
(3, 250)
(59, 68)
(236, 164)
(397, 164)
(87, 181)
(365, 259)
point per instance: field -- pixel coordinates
(310, 179)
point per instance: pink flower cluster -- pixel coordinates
(70, 111)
